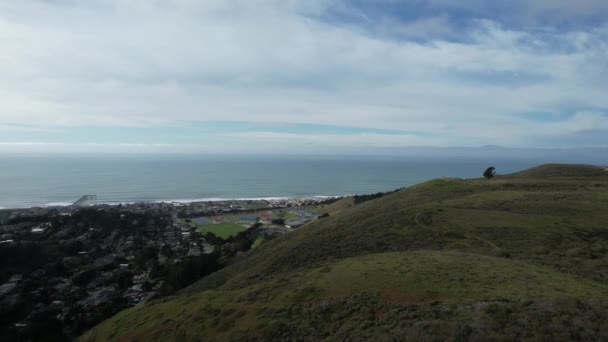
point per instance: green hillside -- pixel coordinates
(562, 170)
(518, 257)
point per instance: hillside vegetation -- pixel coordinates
(517, 257)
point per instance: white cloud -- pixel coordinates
(581, 122)
(140, 63)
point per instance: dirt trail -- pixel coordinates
(484, 240)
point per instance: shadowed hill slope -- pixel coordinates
(523, 256)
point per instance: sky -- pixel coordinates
(302, 76)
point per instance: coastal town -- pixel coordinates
(65, 269)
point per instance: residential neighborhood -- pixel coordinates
(64, 269)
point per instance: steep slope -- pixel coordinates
(517, 257)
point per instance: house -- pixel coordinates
(297, 222)
(194, 251)
(208, 248)
(266, 216)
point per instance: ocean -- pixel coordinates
(29, 181)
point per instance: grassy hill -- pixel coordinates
(518, 257)
(562, 170)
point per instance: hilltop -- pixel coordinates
(561, 170)
(517, 257)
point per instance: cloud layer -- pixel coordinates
(454, 73)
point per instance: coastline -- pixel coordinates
(114, 247)
(180, 202)
(122, 181)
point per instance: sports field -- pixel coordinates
(222, 230)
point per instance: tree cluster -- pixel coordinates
(490, 172)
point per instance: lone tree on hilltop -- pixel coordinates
(490, 172)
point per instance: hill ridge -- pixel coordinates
(468, 259)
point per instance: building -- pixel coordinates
(249, 219)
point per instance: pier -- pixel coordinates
(85, 199)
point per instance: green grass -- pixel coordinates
(257, 243)
(287, 215)
(335, 207)
(422, 281)
(562, 170)
(518, 257)
(222, 230)
(450, 277)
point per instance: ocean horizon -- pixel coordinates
(42, 181)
